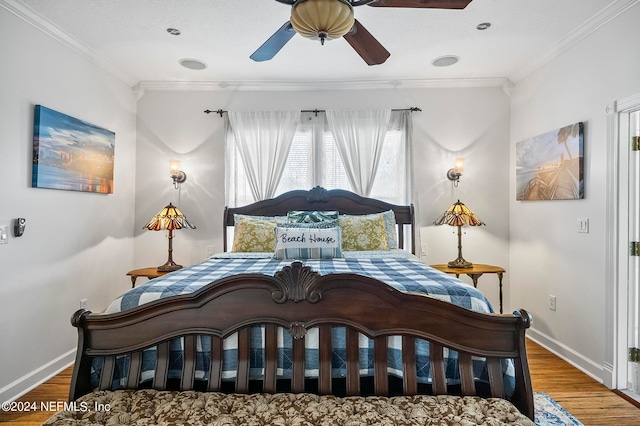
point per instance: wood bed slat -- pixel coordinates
(380, 374)
(162, 366)
(409, 374)
(438, 381)
(242, 371)
(353, 362)
(215, 367)
(297, 380)
(270, 358)
(324, 355)
(188, 362)
(465, 365)
(494, 366)
(135, 365)
(106, 375)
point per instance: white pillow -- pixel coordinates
(308, 243)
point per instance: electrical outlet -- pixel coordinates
(552, 302)
(83, 304)
(210, 251)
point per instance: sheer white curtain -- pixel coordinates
(400, 121)
(263, 140)
(359, 137)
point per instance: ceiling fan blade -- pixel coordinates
(436, 4)
(366, 45)
(273, 45)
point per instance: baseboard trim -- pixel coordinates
(582, 363)
(32, 380)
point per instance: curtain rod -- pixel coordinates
(316, 111)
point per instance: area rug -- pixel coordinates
(549, 413)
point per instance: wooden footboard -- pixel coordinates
(298, 299)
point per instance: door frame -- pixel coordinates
(617, 237)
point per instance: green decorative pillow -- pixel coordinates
(316, 225)
(302, 216)
(363, 233)
(254, 234)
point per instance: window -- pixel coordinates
(314, 160)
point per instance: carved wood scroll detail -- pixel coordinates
(318, 194)
(297, 330)
(295, 283)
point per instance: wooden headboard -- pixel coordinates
(318, 198)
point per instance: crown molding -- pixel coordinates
(30, 16)
(246, 86)
(588, 27)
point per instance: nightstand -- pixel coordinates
(144, 272)
(475, 272)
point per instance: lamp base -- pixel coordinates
(169, 266)
(460, 263)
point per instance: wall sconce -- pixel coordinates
(176, 174)
(455, 173)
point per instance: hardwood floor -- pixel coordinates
(589, 401)
(50, 393)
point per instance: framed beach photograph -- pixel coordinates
(71, 154)
(550, 166)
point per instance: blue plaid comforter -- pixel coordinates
(404, 274)
(407, 274)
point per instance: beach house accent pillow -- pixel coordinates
(308, 243)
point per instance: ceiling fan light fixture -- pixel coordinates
(322, 19)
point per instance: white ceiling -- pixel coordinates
(129, 38)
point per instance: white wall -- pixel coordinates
(548, 256)
(76, 245)
(469, 122)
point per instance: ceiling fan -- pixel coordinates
(330, 19)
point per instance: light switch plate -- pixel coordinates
(4, 234)
(583, 225)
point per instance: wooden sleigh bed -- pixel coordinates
(311, 308)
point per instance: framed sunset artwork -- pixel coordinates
(71, 154)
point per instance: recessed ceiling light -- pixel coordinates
(445, 61)
(483, 26)
(193, 64)
(173, 31)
